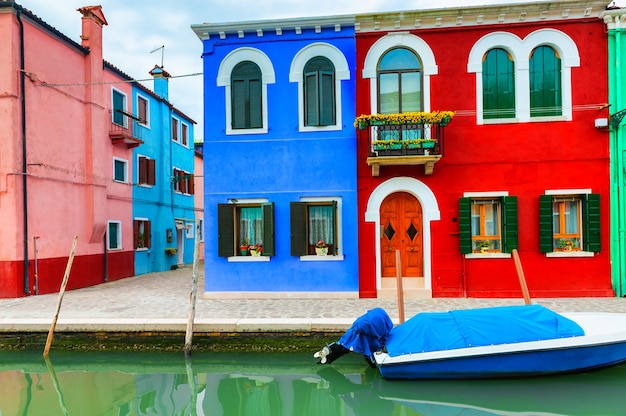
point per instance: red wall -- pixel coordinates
(86, 271)
(524, 159)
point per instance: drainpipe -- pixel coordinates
(24, 165)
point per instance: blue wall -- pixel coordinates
(159, 203)
(282, 165)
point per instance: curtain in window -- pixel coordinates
(251, 225)
(321, 224)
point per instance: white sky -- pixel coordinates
(137, 27)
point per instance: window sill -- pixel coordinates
(304, 129)
(321, 258)
(235, 132)
(500, 120)
(248, 259)
(488, 256)
(570, 254)
(142, 249)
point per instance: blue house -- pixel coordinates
(163, 181)
(280, 150)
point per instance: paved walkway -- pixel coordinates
(160, 302)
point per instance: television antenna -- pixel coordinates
(162, 47)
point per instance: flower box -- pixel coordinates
(321, 251)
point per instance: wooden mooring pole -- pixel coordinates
(60, 300)
(520, 275)
(192, 296)
(400, 288)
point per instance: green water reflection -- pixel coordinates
(278, 384)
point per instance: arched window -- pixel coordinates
(545, 82)
(319, 92)
(247, 96)
(399, 82)
(498, 84)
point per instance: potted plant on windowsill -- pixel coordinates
(256, 250)
(243, 248)
(566, 244)
(484, 246)
(321, 249)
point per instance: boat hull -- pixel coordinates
(603, 345)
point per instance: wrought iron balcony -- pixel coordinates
(125, 129)
(404, 139)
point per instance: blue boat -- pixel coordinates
(509, 341)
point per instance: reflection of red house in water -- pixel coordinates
(521, 165)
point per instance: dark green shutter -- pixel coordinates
(327, 98)
(311, 97)
(509, 224)
(334, 227)
(255, 105)
(545, 224)
(238, 104)
(298, 229)
(591, 223)
(545, 83)
(225, 230)
(498, 85)
(465, 225)
(269, 244)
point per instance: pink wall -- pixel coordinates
(69, 152)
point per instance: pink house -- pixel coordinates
(66, 142)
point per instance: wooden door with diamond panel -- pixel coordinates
(401, 223)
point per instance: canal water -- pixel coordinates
(278, 384)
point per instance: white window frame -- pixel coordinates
(574, 192)
(145, 124)
(118, 159)
(190, 230)
(181, 124)
(176, 139)
(478, 195)
(521, 51)
(224, 80)
(119, 235)
(395, 40)
(139, 156)
(247, 201)
(296, 74)
(339, 236)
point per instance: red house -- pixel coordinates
(520, 165)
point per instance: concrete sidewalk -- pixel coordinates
(160, 302)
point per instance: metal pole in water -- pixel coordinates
(60, 300)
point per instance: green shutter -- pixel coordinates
(498, 85)
(545, 83)
(311, 100)
(327, 98)
(545, 224)
(334, 225)
(255, 105)
(509, 224)
(591, 223)
(298, 229)
(238, 104)
(465, 225)
(225, 230)
(269, 242)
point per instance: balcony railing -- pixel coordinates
(404, 139)
(125, 129)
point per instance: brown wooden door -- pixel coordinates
(401, 223)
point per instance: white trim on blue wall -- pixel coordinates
(224, 80)
(342, 72)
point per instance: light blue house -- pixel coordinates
(280, 149)
(163, 181)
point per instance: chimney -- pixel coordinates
(93, 20)
(161, 81)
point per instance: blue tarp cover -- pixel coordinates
(368, 333)
(478, 327)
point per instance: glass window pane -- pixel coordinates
(411, 92)
(475, 220)
(321, 224)
(251, 225)
(389, 93)
(491, 219)
(399, 58)
(571, 217)
(113, 235)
